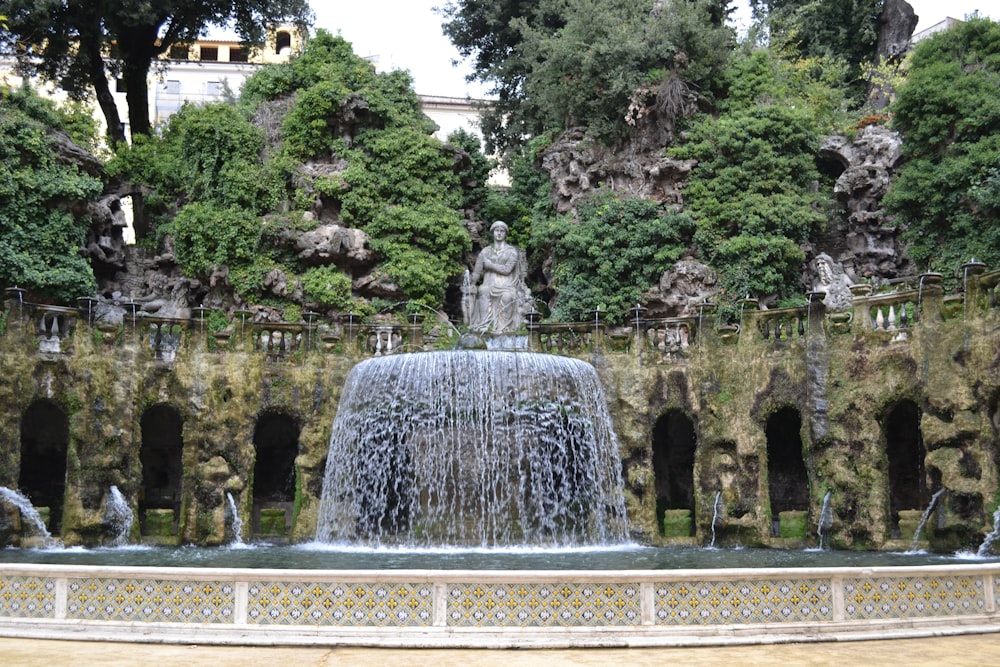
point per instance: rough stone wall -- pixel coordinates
(843, 379)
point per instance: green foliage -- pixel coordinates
(206, 235)
(612, 253)
(557, 63)
(208, 154)
(422, 246)
(82, 45)
(753, 193)
(43, 221)
(328, 287)
(476, 174)
(844, 31)
(947, 192)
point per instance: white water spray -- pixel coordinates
(473, 448)
(237, 522)
(915, 543)
(715, 515)
(987, 546)
(28, 513)
(825, 518)
(118, 517)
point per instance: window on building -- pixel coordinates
(179, 52)
(120, 85)
(172, 87)
(210, 53)
(237, 55)
(213, 88)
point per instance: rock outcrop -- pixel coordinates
(866, 243)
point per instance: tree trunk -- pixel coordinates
(137, 95)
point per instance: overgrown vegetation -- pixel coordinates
(611, 252)
(43, 200)
(947, 194)
(214, 177)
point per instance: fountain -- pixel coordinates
(915, 543)
(28, 513)
(825, 518)
(987, 546)
(235, 522)
(472, 448)
(118, 517)
(715, 515)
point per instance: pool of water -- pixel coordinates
(333, 557)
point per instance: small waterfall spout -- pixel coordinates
(987, 546)
(825, 518)
(915, 544)
(118, 517)
(235, 522)
(29, 514)
(715, 515)
(473, 448)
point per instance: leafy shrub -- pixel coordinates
(612, 253)
(328, 287)
(945, 195)
(206, 236)
(43, 221)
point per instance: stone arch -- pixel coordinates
(674, 444)
(160, 454)
(905, 452)
(44, 444)
(787, 478)
(276, 445)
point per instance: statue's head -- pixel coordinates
(499, 225)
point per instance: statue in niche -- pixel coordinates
(497, 305)
(833, 282)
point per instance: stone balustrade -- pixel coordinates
(886, 316)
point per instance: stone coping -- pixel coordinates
(493, 609)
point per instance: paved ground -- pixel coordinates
(971, 650)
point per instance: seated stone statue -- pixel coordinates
(498, 304)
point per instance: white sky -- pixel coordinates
(406, 34)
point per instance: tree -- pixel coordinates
(43, 202)
(947, 193)
(82, 44)
(753, 194)
(583, 62)
(846, 30)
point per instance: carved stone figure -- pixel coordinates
(834, 282)
(498, 302)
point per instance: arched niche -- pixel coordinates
(787, 479)
(674, 443)
(160, 454)
(44, 442)
(904, 448)
(276, 443)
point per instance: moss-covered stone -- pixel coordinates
(677, 523)
(793, 524)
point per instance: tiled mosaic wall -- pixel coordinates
(735, 601)
(499, 601)
(150, 600)
(344, 604)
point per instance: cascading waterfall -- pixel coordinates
(825, 518)
(473, 448)
(235, 522)
(118, 517)
(987, 546)
(915, 543)
(27, 510)
(715, 515)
